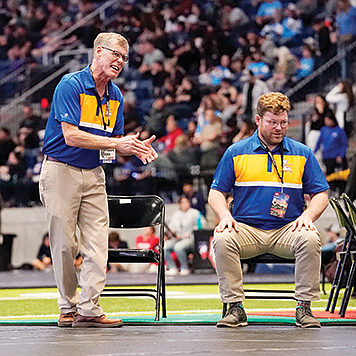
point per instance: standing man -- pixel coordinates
(269, 174)
(85, 129)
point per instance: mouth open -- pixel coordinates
(115, 67)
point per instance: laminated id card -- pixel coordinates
(279, 204)
(107, 156)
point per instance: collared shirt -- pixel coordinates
(75, 102)
(247, 169)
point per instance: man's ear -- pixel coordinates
(257, 119)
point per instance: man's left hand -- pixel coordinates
(152, 154)
(303, 221)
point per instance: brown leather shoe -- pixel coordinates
(101, 321)
(66, 319)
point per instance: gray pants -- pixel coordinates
(304, 246)
(76, 198)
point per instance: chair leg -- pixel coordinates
(337, 280)
(164, 305)
(159, 289)
(347, 294)
(224, 309)
(339, 283)
(323, 279)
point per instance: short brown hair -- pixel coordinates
(273, 102)
(108, 38)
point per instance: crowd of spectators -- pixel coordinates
(196, 69)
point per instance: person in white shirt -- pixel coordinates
(183, 222)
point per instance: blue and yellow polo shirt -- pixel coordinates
(247, 169)
(74, 101)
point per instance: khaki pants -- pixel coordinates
(76, 198)
(304, 246)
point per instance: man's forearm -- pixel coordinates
(317, 205)
(217, 202)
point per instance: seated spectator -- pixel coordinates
(6, 145)
(150, 54)
(183, 157)
(278, 82)
(267, 10)
(30, 120)
(268, 48)
(307, 10)
(227, 89)
(158, 75)
(248, 127)
(148, 241)
(346, 21)
(333, 239)
(292, 27)
(183, 222)
(44, 258)
(325, 48)
(259, 69)
(166, 143)
(226, 110)
(196, 198)
(12, 178)
(186, 99)
(187, 57)
(286, 63)
(252, 90)
(305, 65)
(116, 242)
(221, 71)
(209, 140)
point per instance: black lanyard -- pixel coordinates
(280, 176)
(98, 99)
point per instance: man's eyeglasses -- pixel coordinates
(117, 55)
(274, 124)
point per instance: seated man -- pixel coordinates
(269, 174)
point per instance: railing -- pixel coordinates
(99, 11)
(341, 57)
(13, 106)
(46, 57)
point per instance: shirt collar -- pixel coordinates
(89, 81)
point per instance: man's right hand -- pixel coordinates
(130, 145)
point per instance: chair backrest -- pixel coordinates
(343, 219)
(131, 212)
(350, 207)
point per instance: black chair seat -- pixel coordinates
(133, 256)
(268, 258)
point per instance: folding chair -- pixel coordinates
(134, 212)
(344, 257)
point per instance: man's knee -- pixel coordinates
(310, 240)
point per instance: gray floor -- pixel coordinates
(254, 340)
(177, 340)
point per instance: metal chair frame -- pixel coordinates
(344, 256)
(134, 212)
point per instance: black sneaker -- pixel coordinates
(305, 318)
(234, 317)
